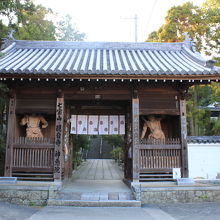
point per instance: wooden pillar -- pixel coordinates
(135, 136)
(128, 145)
(58, 151)
(67, 148)
(183, 138)
(10, 135)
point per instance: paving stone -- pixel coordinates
(125, 196)
(103, 196)
(113, 196)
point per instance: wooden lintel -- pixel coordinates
(158, 112)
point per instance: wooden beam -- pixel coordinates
(10, 135)
(135, 137)
(112, 77)
(185, 171)
(58, 151)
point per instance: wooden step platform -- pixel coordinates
(34, 176)
(155, 175)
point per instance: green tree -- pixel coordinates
(201, 23)
(80, 143)
(31, 22)
(35, 26)
(117, 142)
(27, 19)
(211, 16)
(216, 129)
(114, 140)
(66, 31)
(216, 92)
(11, 13)
(198, 115)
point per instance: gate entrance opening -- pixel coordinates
(98, 136)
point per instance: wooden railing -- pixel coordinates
(33, 153)
(155, 154)
(168, 141)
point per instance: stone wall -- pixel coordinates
(178, 194)
(27, 194)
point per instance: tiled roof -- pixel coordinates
(203, 139)
(103, 58)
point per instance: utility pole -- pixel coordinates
(135, 27)
(135, 18)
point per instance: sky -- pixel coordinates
(113, 20)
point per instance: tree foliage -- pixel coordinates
(198, 115)
(117, 142)
(114, 140)
(35, 26)
(202, 24)
(31, 22)
(80, 144)
(211, 16)
(66, 30)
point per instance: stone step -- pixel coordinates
(94, 199)
(95, 196)
(89, 203)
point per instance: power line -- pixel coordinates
(151, 13)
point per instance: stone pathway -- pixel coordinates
(99, 169)
(98, 182)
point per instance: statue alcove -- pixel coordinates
(170, 125)
(48, 132)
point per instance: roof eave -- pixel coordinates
(100, 76)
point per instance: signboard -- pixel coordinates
(176, 173)
(97, 124)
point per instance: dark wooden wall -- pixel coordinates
(101, 98)
(158, 101)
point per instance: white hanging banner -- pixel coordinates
(122, 124)
(98, 124)
(81, 124)
(73, 124)
(103, 125)
(93, 124)
(114, 128)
